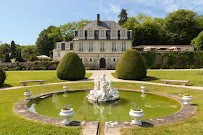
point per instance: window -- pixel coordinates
(114, 33)
(81, 33)
(123, 33)
(102, 33)
(90, 33)
(58, 54)
(113, 46)
(90, 47)
(58, 45)
(102, 49)
(55, 46)
(114, 59)
(62, 46)
(91, 59)
(80, 46)
(123, 46)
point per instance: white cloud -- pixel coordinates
(115, 8)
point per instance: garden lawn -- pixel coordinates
(195, 77)
(11, 123)
(13, 77)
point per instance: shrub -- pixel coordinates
(131, 66)
(33, 57)
(2, 77)
(71, 67)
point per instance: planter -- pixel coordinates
(187, 99)
(67, 114)
(136, 115)
(143, 88)
(65, 87)
(27, 95)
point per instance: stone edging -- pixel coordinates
(91, 127)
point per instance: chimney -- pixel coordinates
(98, 19)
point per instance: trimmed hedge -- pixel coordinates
(172, 60)
(71, 67)
(2, 77)
(131, 66)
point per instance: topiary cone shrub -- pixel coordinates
(71, 67)
(2, 77)
(131, 66)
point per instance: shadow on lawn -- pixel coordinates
(7, 85)
(150, 78)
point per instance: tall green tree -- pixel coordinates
(18, 55)
(123, 17)
(198, 41)
(5, 48)
(13, 49)
(181, 26)
(45, 42)
(27, 50)
(68, 29)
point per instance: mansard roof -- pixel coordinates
(103, 24)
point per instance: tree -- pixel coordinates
(13, 49)
(44, 43)
(27, 50)
(68, 29)
(123, 17)
(5, 48)
(55, 35)
(18, 55)
(7, 58)
(181, 26)
(198, 41)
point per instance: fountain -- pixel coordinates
(104, 94)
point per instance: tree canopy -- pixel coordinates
(198, 41)
(123, 17)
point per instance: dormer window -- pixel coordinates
(114, 33)
(102, 33)
(123, 33)
(81, 33)
(90, 33)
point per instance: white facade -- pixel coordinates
(99, 44)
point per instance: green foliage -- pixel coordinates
(131, 66)
(27, 50)
(181, 26)
(71, 67)
(149, 58)
(2, 77)
(198, 41)
(123, 17)
(13, 49)
(33, 57)
(18, 55)
(67, 29)
(7, 58)
(46, 40)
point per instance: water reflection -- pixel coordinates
(65, 94)
(55, 101)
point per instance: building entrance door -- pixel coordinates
(102, 63)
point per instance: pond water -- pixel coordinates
(153, 106)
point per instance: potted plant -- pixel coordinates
(27, 94)
(143, 87)
(66, 113)
(136, 113)
(187, 98)
(65, 87)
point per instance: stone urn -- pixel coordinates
(136, 115)
(67, 114)
(187, 99)
(27, 94)
(143, 87)
(65, 87)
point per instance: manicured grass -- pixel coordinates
(13, 78)
(195, 77)
(11, 123)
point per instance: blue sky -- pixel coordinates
(23, 20)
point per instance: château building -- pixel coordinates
(99, 44)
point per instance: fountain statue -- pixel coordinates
(104, 94)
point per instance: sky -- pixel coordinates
(23, 20)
